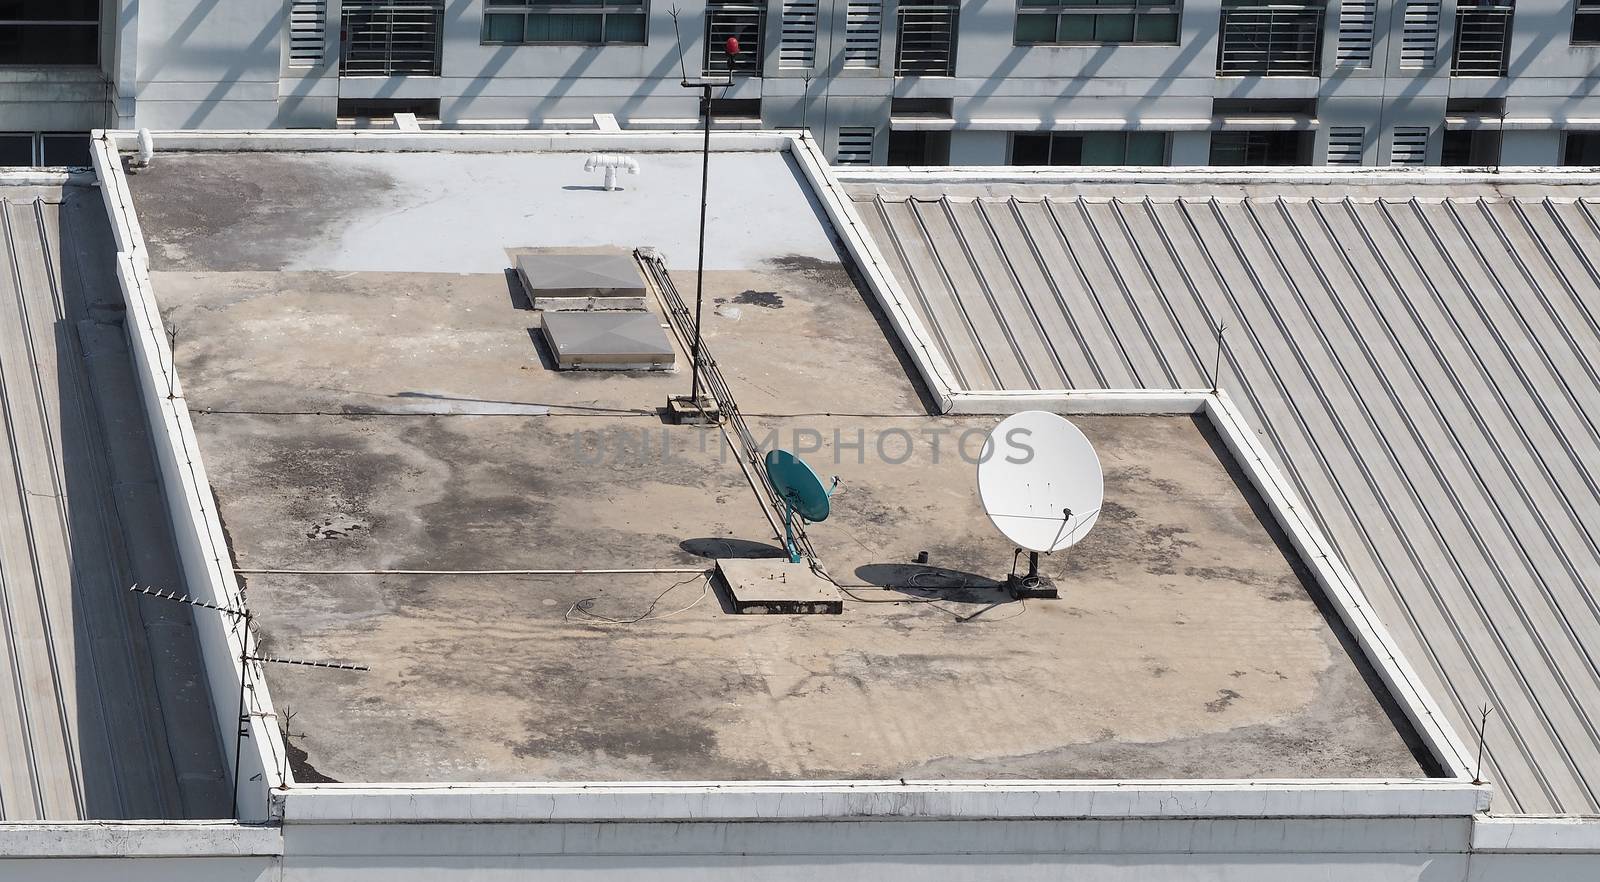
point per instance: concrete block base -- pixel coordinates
(768, 586)
(589, 304)
(685, 411)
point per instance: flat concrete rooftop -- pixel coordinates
(372, 398)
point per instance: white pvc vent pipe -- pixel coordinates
(611, 163)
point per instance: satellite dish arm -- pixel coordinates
(1066, 518)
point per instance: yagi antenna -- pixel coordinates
(242, 615)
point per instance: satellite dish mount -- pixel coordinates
(1033, 583)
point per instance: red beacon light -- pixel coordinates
(732, 46)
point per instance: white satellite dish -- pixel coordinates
(1041, 484)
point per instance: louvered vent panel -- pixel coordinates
(308, 32)
(1419, 40)
(1410, 146)
(855, 145)
(1344, 145)
(798, 49)
(1355, 32)
(863, 34)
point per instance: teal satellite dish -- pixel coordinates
(802, 492)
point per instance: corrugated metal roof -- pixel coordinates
(103, 713)
(1425, 363)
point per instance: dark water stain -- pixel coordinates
(1225, 697)
(764, 299)
(833, 273)
(628, 723)
(229, 214)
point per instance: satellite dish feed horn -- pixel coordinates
(802, 493)
(1041, 485)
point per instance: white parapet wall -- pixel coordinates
(156, 851)
(197, 530)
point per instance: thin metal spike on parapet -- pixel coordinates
(172, 357)
(1216, 367)
(1483, 726)
(682, 70)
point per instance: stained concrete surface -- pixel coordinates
(459, 212)
(358, 416)
(430, 343)
(1185, 644)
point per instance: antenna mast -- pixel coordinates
(245, 658)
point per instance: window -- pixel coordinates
(922, 108)
(1089, 148)
(64, 149)
(1269, 40)
(926, 44)
(16, 150)
(366, 111)
(1477, 106)
(1086, 21)
(1275, 108)
(391, 37)
(1583, 148)
(49, 149)
(919, 148)
(587, 22)
(1470, 147)
(742, 21)
(1483, 38)
(50, 32)
(1260, 148)
(736, 108)
(1586, 21)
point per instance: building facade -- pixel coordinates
(1142, 82)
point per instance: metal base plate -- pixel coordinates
(1031, 586)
